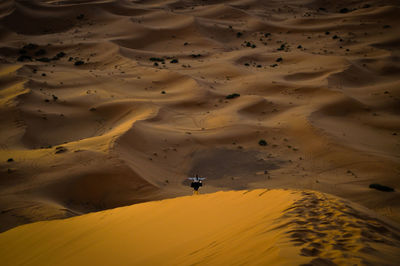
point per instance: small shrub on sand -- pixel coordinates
(381, 187)
(232, 96)
(262, 142)
(78, 63)
(61, 54)
(156, 59)
(282, 47)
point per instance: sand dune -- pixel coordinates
(110, 103)
(258, 227)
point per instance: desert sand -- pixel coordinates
(109, 103)
(258, 227)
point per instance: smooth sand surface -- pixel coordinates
(258, 227)
(114, 102)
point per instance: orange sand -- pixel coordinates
(259, 227)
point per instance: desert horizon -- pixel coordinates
(288, 109)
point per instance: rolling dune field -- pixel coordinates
(109, 103)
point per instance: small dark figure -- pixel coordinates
(196, 183)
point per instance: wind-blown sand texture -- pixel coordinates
(258, 227)
(110, 103)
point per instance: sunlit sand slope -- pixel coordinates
(259, 227)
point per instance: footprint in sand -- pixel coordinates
(310, 252)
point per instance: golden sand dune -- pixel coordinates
(258, 227)
(110, 103)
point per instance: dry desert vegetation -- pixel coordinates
(290, 109)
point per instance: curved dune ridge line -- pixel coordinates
(258, 227)
(318, 82)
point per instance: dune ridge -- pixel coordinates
(257, 227)
(123, 100)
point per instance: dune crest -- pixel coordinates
(279, 227)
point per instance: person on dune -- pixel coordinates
(196, 183)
